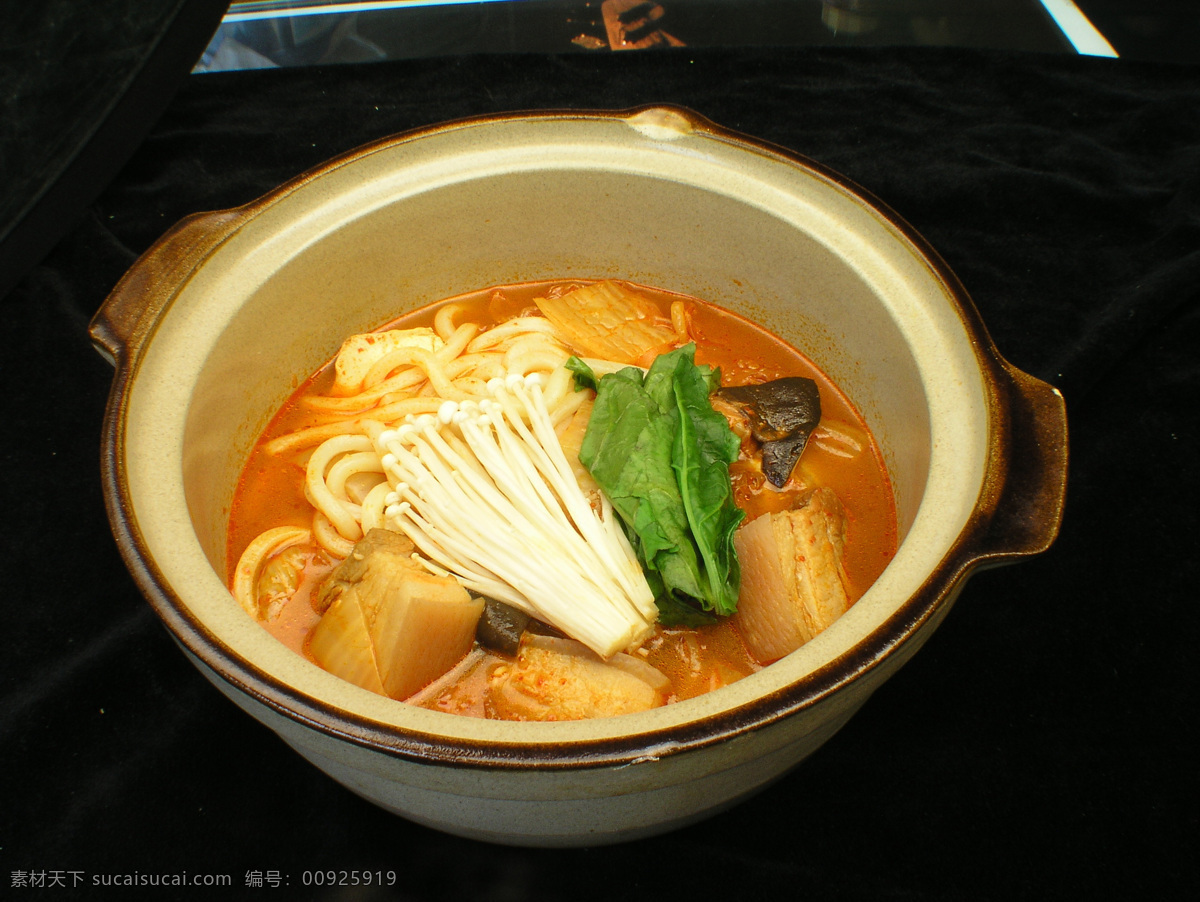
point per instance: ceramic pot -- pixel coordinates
(214, 326)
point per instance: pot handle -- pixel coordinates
(132, 308)
(1030, 508)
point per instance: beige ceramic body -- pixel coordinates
(212, 329)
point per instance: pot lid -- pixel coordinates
(82, 85)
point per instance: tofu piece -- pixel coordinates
(361, 352)
(793, 580)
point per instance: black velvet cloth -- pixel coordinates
(80, 85)
(1040, 745)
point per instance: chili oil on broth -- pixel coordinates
(841, 455)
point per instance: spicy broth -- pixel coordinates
(841, 454)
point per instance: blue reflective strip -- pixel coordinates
(1082, 34)
(250, 12)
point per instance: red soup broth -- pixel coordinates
(841, 455)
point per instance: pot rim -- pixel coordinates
(124, 327)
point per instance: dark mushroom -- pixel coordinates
(501, 626)
(782, 415)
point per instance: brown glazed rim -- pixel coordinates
(1018, 512)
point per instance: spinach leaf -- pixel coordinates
(704, 448)
(661, 454)
(585, 376)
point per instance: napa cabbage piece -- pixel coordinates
(608, 320)
(661, 454)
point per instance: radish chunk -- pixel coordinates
(341, 644)
(420, 630)
(793, 582)
(608, 320)
(418, 624)
(560, 679)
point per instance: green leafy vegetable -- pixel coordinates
(585, 377)
(661, 454)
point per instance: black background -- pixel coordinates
(1040, 745)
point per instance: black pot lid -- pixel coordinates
(81, 86)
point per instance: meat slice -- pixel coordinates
(793, 580)
(561, 679)
(378, 548)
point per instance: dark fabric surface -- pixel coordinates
(80, 86)
(1040, 745)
